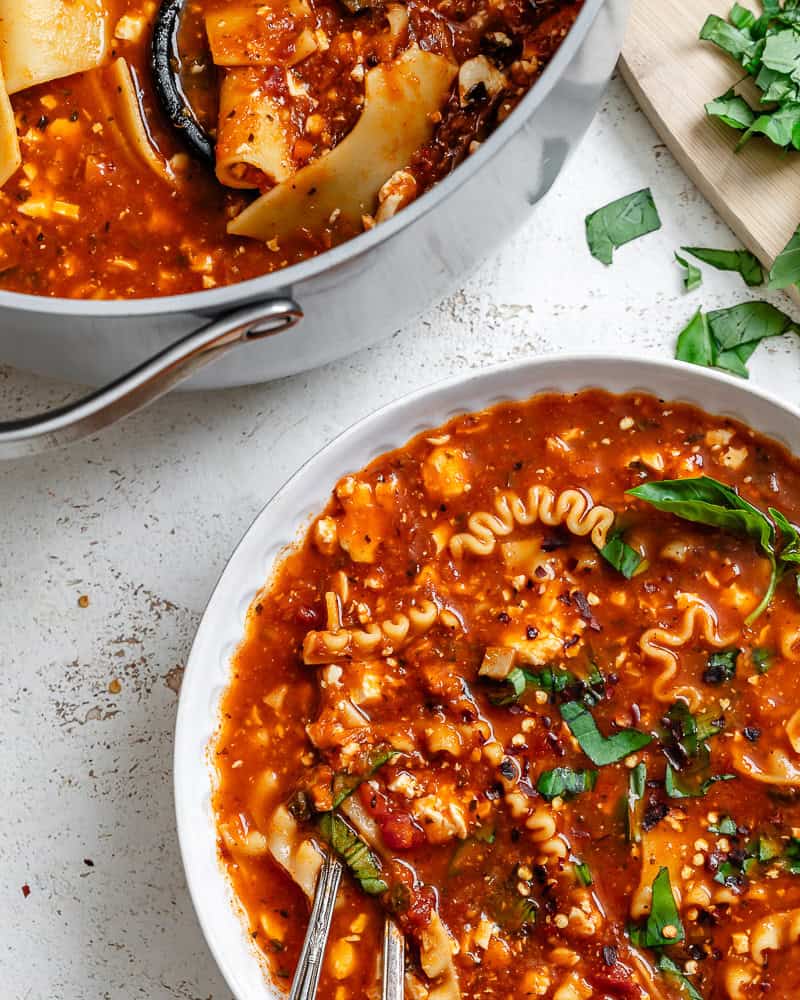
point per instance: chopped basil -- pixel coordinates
(695, 343)
(361, 862)
(726, 827)
(583, 873)
(637, 782)
(565, 783)
(345, 784)
(663, 917)
(746, 322)
(721, 666)
(693, 277)
(732, 110)
(704, 500)
(729, 38)
(741, 261)
(762, 659)
(619, 222)
(786, 269)
(681, 787)
(673, 972)
(601, 750)
(590, 690)
(621, 556)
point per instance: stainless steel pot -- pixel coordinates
(332, 305)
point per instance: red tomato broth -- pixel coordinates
(431, 700)
(86, 218)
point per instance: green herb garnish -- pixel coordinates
(619, 222)
(727, 338)
(693, 277)
(601, 750)
(583, 873)
(565, 783)
(726, 827)
(621, 556)
(741, 261)
(674, 974)
(721, 666)
(786, 269)
(762, 659)
(345, 784)
(679, 786)
(663, 916)
(707, 501)
(634, 801)
(732, 110)
(361, 862)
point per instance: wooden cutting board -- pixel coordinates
(673, 74)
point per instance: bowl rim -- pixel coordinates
(399, 419)
(274, 284)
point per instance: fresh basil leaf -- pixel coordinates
(674, 974)
(725, 828)
(619, 222)
(345, 784)
(601, 750)
(693, 277)
(778, 126)
(362, 863)
(741, 261)
(704, 500)
(764, 849)
(621, 556)
(746, 322)
(695, 343)
(721, 666)
(663, 917)
(730, 39)
(735, 359)
(635, 802)
(513, 689)
(790, 537)
(782, 51)
(732, 110)
(762, 659)
(776, 87)
(583, 873)
(786, 269)
(680, 786)
(742, 18)
(519, 680)
(565, 783)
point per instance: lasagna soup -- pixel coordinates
(533, 677)
(323, 117)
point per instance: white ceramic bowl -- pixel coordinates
(288, 512)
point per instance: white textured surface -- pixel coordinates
(142, 518)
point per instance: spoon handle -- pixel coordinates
(393, 962)
(306, 977)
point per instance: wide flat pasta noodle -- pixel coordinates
(42, 40)
(401, 96)
(256, 133)
(10, 157)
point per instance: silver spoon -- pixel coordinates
(309, 966)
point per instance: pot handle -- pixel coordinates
(149, 381)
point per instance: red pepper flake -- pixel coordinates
(26, 890)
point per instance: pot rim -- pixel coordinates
(267, 285)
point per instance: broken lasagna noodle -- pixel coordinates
(561, 780)
(328, 117)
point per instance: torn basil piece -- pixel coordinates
(729, 38)
(565, 783)
(721, 666)
(693, 277)
(361, 862)
(663, 926)
(601, 750)
(682, 786)
(635, 803)
(734, 111)
(673, 972)
(786, 269)
(619, 222)
(695, 343)
(741, 261)
(621, 556)
(345, 784)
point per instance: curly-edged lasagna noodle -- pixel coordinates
(550, 723)
(326, 117)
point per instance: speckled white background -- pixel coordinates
(142, 519)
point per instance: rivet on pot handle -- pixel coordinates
(149, 381)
